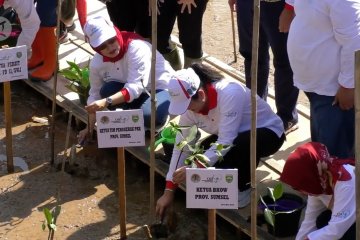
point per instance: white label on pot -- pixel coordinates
(13, 63)
(123, 128)
(211, 188)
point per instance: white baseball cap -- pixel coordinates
(182, 86)
(98, 30)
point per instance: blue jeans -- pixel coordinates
(286, 93)
(142, 102)
(332, 126)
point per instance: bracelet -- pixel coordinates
(168, 189)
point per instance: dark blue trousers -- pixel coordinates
(286, 93)
(46, 10)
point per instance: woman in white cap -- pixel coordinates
(222, 108)
(120, 73)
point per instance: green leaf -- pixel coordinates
(271, 193)
(43, 226)
(74, 66)
(202, 158)
(181, 144)
(48, 216)
(269, 217)
(192, 134)
(278, 191)
(70, 75)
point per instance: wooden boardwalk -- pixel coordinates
(79, 51)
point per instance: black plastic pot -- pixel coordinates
(288, 212)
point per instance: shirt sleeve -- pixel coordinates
(345, 18)
(96, 81)
(343, 213)
(29, 20)
(313, 209)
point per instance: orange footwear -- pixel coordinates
(48, 45)
(37, 55)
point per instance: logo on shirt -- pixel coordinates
(342, 214)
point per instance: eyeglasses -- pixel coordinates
(106, 43)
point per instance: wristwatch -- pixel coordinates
(108, 102)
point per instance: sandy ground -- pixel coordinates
(87, 193)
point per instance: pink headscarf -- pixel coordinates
(310, 168)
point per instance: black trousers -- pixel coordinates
(131, 16)
(190, 27)
(267, 143)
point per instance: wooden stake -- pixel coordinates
(122, 191)
(357, 139)
(254, 66)
(233, 34)
(153, 107)
(211, 224)
(8, 126)
(52, 122)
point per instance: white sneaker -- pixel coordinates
(244, 198)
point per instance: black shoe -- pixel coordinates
(63, 38)
(71, 28)
(291, 126)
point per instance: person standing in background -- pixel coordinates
(286, 94)
(131, 16)
(323, 38)
(189, 15)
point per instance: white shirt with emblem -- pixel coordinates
(343, 212)
(130, 70)
(231, 116)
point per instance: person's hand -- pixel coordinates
(344, 98)
(187, 4)
(96, 106)
(163, 203)
(179, 175)
(285, 20)
(232, 5)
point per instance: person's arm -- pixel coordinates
(81, 7)
(286, 17)
(313, 209)
(343, 212)
(345, 16)
(176, 166)
(29, 20)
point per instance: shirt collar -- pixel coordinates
(212, 99)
